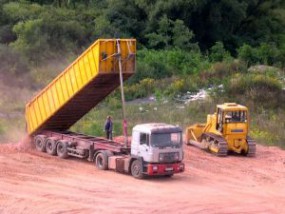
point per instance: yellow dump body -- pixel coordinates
(82, 85)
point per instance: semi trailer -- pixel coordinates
(155, 149)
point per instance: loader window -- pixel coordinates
(144, 139)
(235, 117)
(220, 120)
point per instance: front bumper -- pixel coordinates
(164, 169)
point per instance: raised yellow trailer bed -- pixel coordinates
(82, 85)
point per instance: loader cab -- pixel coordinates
(231, 115)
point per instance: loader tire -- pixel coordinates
(51, 146)
(61, 149)
(40, 143)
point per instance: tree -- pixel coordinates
(218, 52)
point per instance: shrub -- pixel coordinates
(218, 53)
(267, 54)
(247, 54)
(256, 87)
(166, 63)
(138, 90)
(217, 73)
(181, 85)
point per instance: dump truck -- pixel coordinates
(155, 149)
(225, 131)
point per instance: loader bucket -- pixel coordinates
(194, 132)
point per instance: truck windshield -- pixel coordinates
(235, 117)
(166, 140)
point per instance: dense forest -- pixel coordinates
(183, 45)
(40, 30)
(175, 37)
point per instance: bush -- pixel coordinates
(218, 53)
(267, 54)
(220, 71)
(144, 88)
(262, 89)
(181, 85)
(166, 63)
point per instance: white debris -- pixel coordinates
(190, 96)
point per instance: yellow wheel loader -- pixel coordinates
(225, 131)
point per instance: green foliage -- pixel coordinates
(259, 88)
(16, 12)
(166, 63)
(30, 40)
(142, 89)
(268, 126)
(171, 34)
(44, 32)
(220, 72)
(218, 53)
(179, 86)
(60, 26)
(261, 135)
(267, 54)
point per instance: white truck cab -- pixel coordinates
(158, 146)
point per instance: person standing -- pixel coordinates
(109, 128)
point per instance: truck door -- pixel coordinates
(144, 144)
(140, 144)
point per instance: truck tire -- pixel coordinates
(40, 143)
(51, 145)
(61, 149)
(136, 169)
(101, 161)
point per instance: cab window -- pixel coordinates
(235, 117)
(144, 139)
(220, 120)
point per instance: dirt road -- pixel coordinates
(33, 182)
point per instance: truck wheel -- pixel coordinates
(51, 146)
(40, 142)
(101, 161)
(62, 149)
(136, 169)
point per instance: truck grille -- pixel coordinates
(167, 157)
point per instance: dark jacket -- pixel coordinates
(108, 125)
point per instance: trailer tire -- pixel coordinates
(40, 143)
(101, 161)
(61, 149)
(51, 145)
(136, 169)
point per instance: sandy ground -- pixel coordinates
(33, 182)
